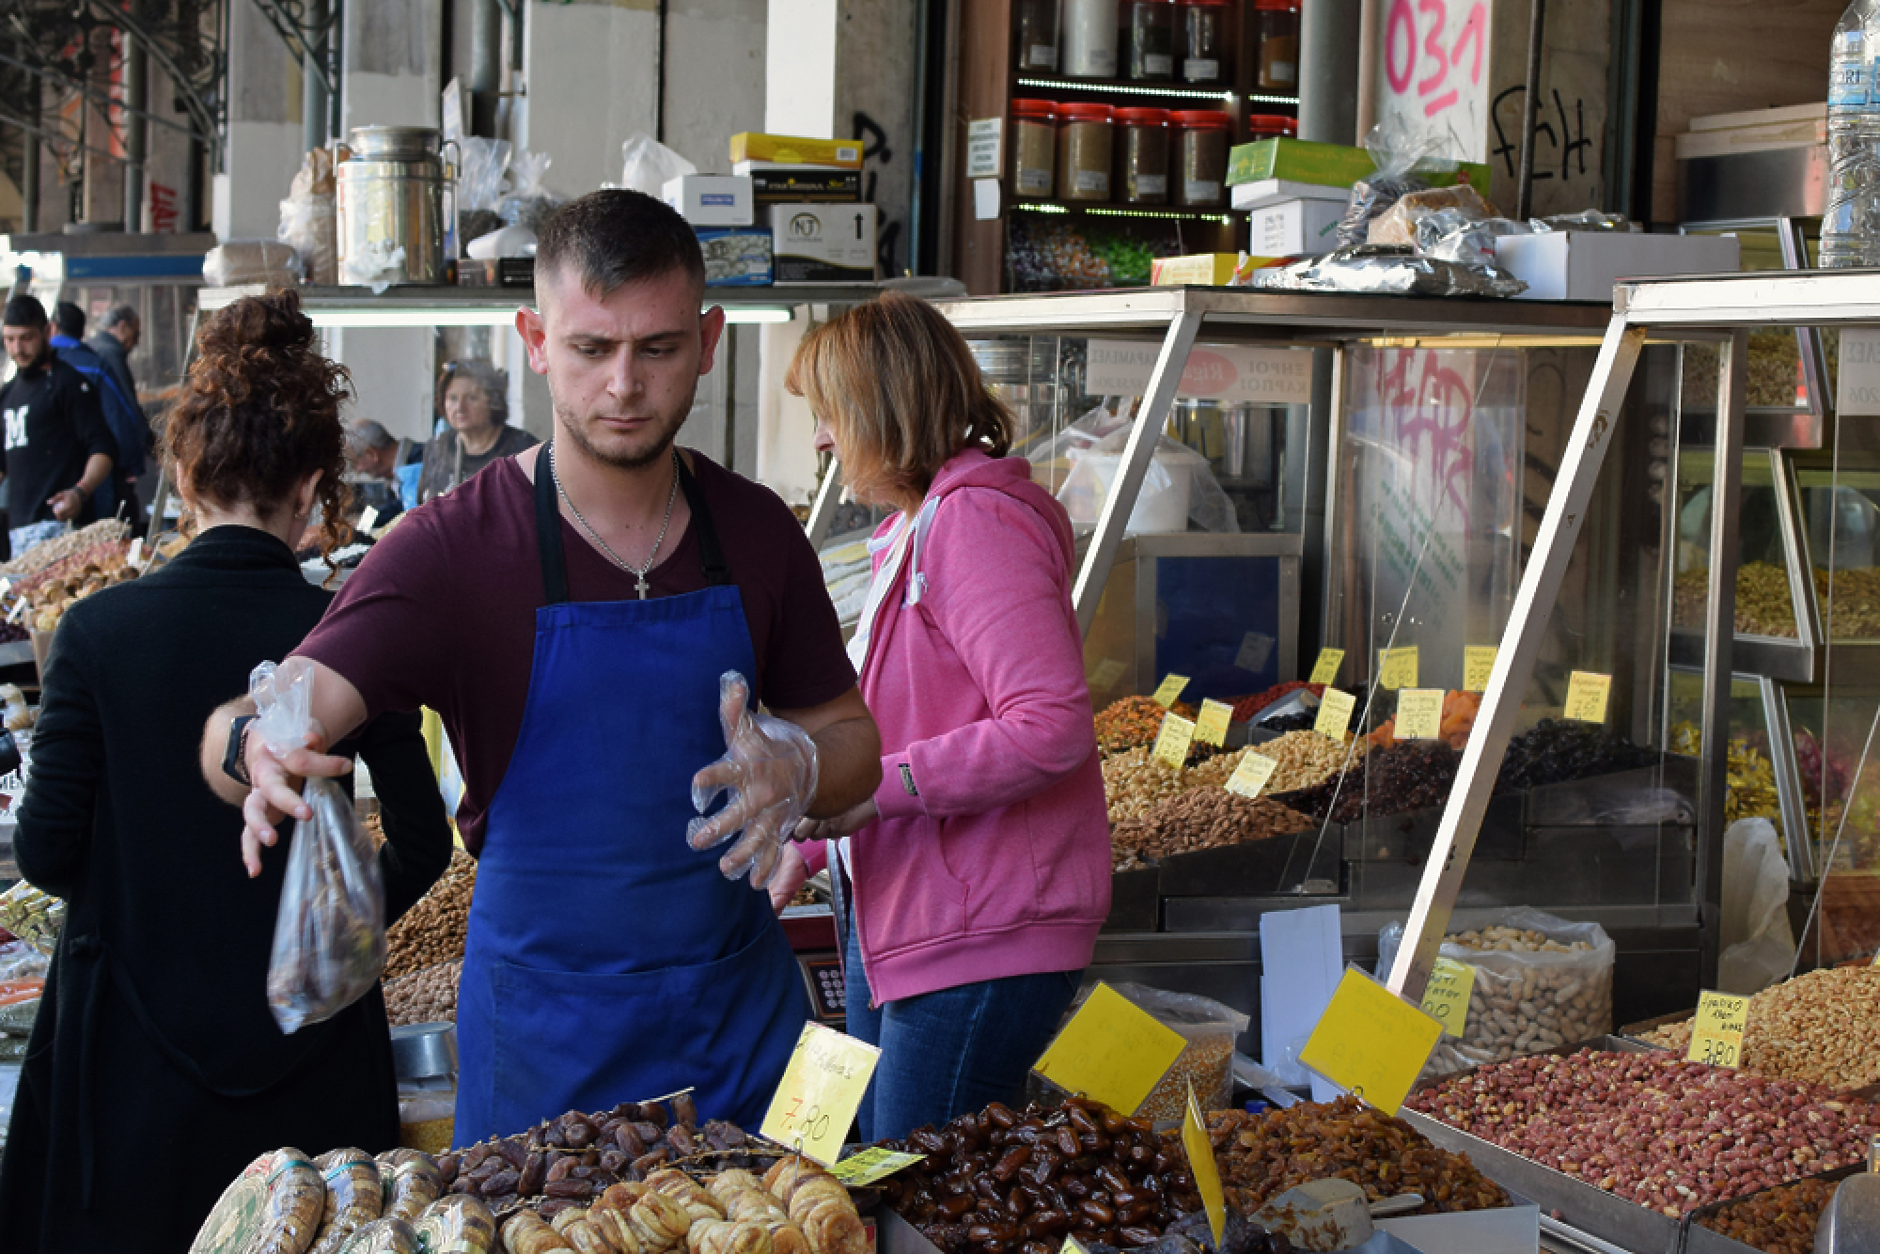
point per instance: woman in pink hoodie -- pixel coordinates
(980, 871)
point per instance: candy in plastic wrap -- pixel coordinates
(33, 916)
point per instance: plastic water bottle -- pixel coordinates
(1850, 226)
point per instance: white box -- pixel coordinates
(1583, 265)
(711, 199)
(1295, 227)
(823, 243)
(1273, 191)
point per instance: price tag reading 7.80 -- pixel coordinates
(820, 1092)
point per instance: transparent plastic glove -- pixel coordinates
(769, 771)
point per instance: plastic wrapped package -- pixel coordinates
(33, 916)
(239, 262)
(1402, 156)
(480, 185)
(1387, 270)
(309, 220)
(1178, 490)
(20, 961)
(1207, 1061)
(646, 165)
(329, 933)
(1452, 235)
(1523, 1000)
(1584, 220)
(529, 203)
(1398, 224)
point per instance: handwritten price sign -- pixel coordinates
(1717, 1032)
(820, 1092)
(1435, 65)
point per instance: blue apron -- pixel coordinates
(608, 961)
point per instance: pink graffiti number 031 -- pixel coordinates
(1429, 66)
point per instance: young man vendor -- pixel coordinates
(570, 613)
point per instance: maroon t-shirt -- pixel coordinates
(441, 612)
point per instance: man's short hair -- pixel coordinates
(363, 434)
(24, 311)
(610, 238)
(71, 319)
(117, 316)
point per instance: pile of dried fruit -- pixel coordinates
(1201, 818)
(105, 532)
(1764, 605)
(1128, 724)
(1554, 752)
(1822, 1027)
(1781, 1221)
(1410, 775)
(434, 930)
(427, 996)
(1850, 599)
(1750, 775)
(1247, 708)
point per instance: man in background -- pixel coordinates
(119, 332)
(120, 414)
(372, 454)
(57, 450)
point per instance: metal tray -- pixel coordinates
(1303, 862)
(1409, 836)
(1701, 1240)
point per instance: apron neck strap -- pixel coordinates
(548, 530)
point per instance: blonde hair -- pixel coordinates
(901, 389)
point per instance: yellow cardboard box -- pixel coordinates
(841, 154)
(1205, 269)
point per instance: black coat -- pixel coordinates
(155, 1072)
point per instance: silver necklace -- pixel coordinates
(639, 572)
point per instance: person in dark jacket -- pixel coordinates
(121, 413)
(155, 1071)
(119, 332)
(57, 451)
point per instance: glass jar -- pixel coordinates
(1035, 35)
(1146, 39)
(1088, 31)
(1085, 144)
(1271, 126)
(1142, 161)
(1034, 147)
(1199, 138)
(1202, 41)
(1279, 45)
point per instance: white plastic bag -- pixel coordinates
(1758, 943)
(646, 165)
(1178, 489)
(329, 933)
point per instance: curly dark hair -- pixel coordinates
(260, 411)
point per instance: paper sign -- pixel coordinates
(1717, 1032)
(1325, 670)
(1477, 661)
(369, 519)
(983, 147)
(871, 1165)
(1586, 697)
(1857, 390)
(985, 200)
(1335, 711)
(136, 555)
(1419, 714)
(1251, 775)
(1371, 1041)
(1255, 649)
(1171, 743)
(1111, 1050)
(6, 586)
(1211, 727)
(1170, 690)
(1229, 373)
(1397, 668)
(1201, 1165)
(1446, 996)
(19, 608)
(820, 1092)
(1107, 672)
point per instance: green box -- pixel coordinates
(1326, 165)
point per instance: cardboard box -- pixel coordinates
(711, 199)
(1250, 196)
(496, 272)
(800, 184)
(1203, 269)
(843, 154)
(737, 257)
(823, 243)
(1583, 265)
(1326, 165)
(1295, 228)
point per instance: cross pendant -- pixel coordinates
(641, 586)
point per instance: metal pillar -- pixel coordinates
(136, 130)
(313, 94)
(1328, 72)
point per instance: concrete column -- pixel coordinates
(264, 132)
(591, 69)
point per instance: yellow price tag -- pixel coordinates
(369, 519)
(1111, 1050)
(871, 1165)
(1717, 1032)
(1397, 668)
(1419, 714)
(1325, 670)
(1170, 690)
(1171, 743)
(1106, 673)
(1251, 775)
(1211, 727)
(1203, 1168)
(1071, 1246)
(1477, 661)
(820, 1092)
(1446, 996)
(1371, 1041)
(1335, 711)
(1586, 697)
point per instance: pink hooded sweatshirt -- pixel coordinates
(991, 857)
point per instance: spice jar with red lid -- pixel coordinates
(1034, 147)
(1145, 38)
(1279, 45)
(1199, 139)
(1142, 158)
(1201, 41)
(1085, 145)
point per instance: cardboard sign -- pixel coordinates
(1201, 1165)
(1251, 775)
(1255, 649)
(1446, 996)
(1586, 697)
(871, 1165)
(1171, 743)
(1717, 1032)
(1211, 727)
(1477, 661)
(1371, 1042)
(1397, 668)
(1325, 670)
(1335, 711)
(1419, 714)
(1106, 673)
(820, 1092)
(369, 519)
(134, 558)
(1170, 690)
(1111, 1050)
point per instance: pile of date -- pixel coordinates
(1019, 1182)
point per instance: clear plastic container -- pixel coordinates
(1199, 138)
(1086, 134)
(1201, 38)
(1279, 45)
(1146, 39)
(1034, 147)
(1142, 159)
(1088, 35)
(1035, 35)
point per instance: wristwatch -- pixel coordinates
(234, 759)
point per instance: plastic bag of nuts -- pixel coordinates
(1540, 982)
(1208, 1059)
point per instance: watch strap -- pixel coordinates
(235, 759)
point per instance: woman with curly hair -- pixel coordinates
(155, 1072)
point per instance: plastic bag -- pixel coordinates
(480, 184)
(20, 961)
(758, 748)
(646, 165)
(1584, 220)
(329, 933)
(243, 261)
(1452, 235)
(1387, 270)
(1398, 224)
(1522, 1002)
(1178, 489)
(1758, 943)
(1400, 153)
(529, 204)
(1208, 1059)
(309, 224)
(33, 916)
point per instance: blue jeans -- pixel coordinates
(952, 1051)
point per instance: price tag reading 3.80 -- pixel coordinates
(1717, 1031)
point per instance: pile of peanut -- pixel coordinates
(1667, 1134)
(1305, 759)
(1513, 940)
(1821, 1028)
(434, 930)
(1202, 818)
(1780, 1221)
(427, 996)
(1516, 1008)
(1134, 781)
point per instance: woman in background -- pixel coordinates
(473, 397)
